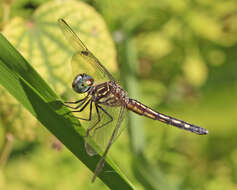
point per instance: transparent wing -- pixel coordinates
(101, 134)
(83, 60)
(112, 138)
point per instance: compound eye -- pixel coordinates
(82, 83)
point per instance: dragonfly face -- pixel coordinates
(82, 83)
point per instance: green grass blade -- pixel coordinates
(23, 82)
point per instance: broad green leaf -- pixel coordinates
(41, 41)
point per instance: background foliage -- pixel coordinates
(176, 56)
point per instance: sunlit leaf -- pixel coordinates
(41, 41)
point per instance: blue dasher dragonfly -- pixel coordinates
(105, 99)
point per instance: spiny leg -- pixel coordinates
(76, 102)
(89, 149)
(106, 123)
(85, 105)
(93, 126)
(100, 164)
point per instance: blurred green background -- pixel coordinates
(176, 56)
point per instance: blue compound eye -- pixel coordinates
(82, 83)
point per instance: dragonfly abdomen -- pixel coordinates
(181, 124)
(141, 109)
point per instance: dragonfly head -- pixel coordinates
(82, 83)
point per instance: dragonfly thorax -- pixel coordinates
(82, 83)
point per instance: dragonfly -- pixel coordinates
(106, 101)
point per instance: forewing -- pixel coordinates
(76, 43)
(83, 60)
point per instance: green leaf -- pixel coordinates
(43, 45)
(23, 82)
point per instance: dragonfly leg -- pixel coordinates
(100, 164)
(104, 124)
(86, 104)
(76, 102)
(93, 126)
